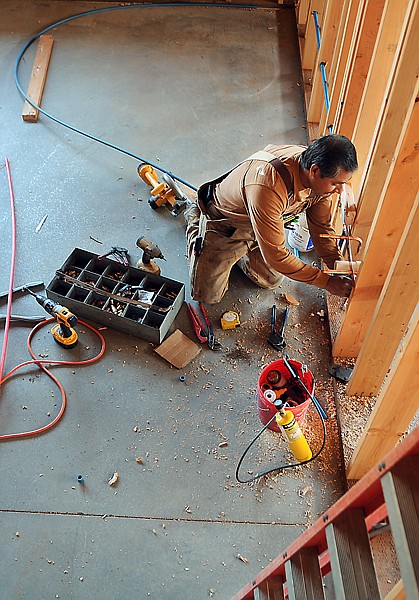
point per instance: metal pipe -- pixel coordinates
(322, 66)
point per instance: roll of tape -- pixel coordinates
(269, 395)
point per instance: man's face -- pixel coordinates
(327, 185)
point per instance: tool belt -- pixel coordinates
(206, 192)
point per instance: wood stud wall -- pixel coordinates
(371, 57)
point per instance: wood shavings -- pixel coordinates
(290, 299)
(113, 479)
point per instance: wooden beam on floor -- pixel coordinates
(38, 78)
(381, 245)
(398, 301)
(394, 409)
(396, 111)
(364, 42)
(375, 86)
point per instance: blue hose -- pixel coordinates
(102, 10)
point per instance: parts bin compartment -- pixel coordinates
(146, 304)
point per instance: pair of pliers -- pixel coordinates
(204, 334)
(120, 255)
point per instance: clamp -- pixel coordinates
(119, 254)
(204, 334)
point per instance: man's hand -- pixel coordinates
(340, 286)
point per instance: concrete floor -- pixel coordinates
(195, 89)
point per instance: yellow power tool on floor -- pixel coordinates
(163, 192)
(63, 332)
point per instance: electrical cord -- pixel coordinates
(36, 361)
(279, 467)
(103, 10)
(41, 364)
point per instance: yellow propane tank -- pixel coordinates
(293, 435)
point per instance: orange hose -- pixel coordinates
(41, 364)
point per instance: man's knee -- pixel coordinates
(260, 273)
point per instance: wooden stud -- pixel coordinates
(397, 593)
(375, 86)
(397, 107)
(381, 245)
(310, 43)
(398, 301)
(341, 58)
(387, 424)
(38, 78)
(365, 38)
(302, 16)
(333, 14)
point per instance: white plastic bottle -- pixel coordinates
(299, 237)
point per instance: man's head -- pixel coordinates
(328, 163)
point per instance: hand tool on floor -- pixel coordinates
(119, 254)
(150, 252)
(203, 333)
(23, 288)
(276, 338)
(22, 318)
(165, 192)
(63, 332)
(296, 377)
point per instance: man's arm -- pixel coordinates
(265, 209)
(319, 220)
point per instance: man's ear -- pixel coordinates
(315, 172)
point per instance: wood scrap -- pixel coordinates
(178, 349)
(38, 78)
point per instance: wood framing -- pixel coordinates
(364, 42)
(369, 48)
(38, 78)
(386, 425)
(345, 37)
(397, 593)
(310, 44)
(333, 13)
(381, 245)
(395, 115)
(398, 301)
(376, 84)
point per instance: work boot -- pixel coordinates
(255, 268)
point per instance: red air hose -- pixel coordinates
(35, 361)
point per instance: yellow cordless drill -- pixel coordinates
(63, 332)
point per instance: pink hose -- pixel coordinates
(12, 270)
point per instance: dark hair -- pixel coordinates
(330, 153)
